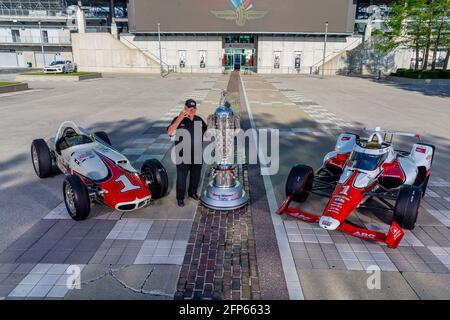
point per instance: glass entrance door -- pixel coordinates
(239, 52)
(236, 59)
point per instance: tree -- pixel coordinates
(421, 25)
(406, 26)
(441, 31)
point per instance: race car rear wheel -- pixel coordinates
(76, 198)
(156, 174)
(407, 206)
(299, 182)
(41, 158)
(104, 136)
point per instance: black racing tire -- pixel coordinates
(407, 206)
(104, 136)
(41, 158)
(425, 185)
(299, 182)
(155, 172)
(76, 198)
(75, 69)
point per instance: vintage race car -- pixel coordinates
(60, 66)
(361, 169)
(95, 171)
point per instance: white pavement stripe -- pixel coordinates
(162, 252)
(130, 229)
(11, 94)
(287, 260)
(144, 141)
(46, 280)
(60, 212)
(443, 254)
(133, 151)
(145, 157)
(442, 215)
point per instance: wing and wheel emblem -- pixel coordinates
(241, 12)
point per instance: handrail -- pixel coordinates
(146, 52)
(334, 54)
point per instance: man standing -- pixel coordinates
(188, 122)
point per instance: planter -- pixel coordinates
(13, 87)
(57, 77)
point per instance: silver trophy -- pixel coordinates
(224, 191)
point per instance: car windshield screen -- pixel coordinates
(364, 161)
(77, 140)
(54, 63)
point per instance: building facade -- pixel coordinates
(265, 36)
(33, 32)
(261, 35)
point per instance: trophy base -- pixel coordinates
(224, 198)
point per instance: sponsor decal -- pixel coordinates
(421, 150)
(326, 223)
(395, 232)
(301, 216)
(345, 139)
(339, 199)
(363, 235)
(241, 12)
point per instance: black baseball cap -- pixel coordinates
(190, 103)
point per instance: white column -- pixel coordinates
(81, 20)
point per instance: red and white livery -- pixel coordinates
(95, 171)
(361, 169)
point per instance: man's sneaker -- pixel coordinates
(180, 203)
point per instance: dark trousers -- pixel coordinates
(194, 171)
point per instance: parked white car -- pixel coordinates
(60, 66)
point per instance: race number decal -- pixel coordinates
(127, 185)
(344, 190)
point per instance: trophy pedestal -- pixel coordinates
(224, 198)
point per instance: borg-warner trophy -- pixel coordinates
(224, 191)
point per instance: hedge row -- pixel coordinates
(419, 74)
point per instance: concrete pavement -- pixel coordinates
(308, 129)
(139, 255)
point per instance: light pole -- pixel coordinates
(160, 52)
(324, 48)
(42, 42)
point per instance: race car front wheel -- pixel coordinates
(299, 182)
(103, 136)
(76, 198)
(156, 176)
(407, 206)
(42, 160)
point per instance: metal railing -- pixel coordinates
(35, 40)
(168, 68)
(32, 13)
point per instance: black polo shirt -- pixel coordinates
(189, 125)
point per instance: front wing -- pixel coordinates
(392, 238)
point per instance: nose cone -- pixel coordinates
(328, 223)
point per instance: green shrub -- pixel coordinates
(419, 74)
(400, 72)
(430, 74)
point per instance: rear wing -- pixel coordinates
(389, 134)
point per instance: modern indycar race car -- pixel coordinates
(96, 172)
(358, 170)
